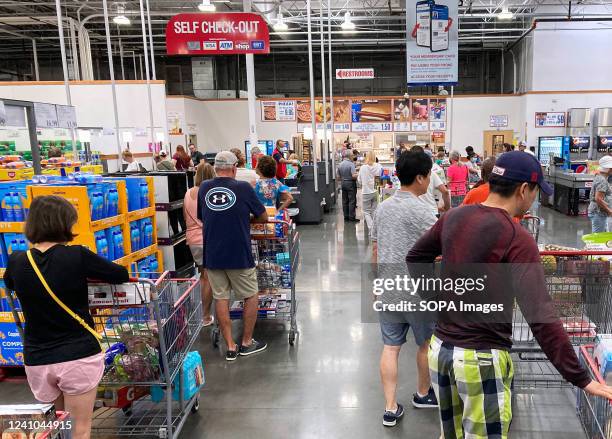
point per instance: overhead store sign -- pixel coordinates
(217, 34)
(432, 47)
(354, 73)
(550, 120)
(498, 120)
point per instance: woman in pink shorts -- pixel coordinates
(63, 359)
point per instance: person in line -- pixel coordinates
(522, 146)
(472, 162)
(436, 190)
(507, 147)
(348, 183)
(181, 159)
(243, 173)
(480, 192)
(281, 162)
(255, 154)
(165, 164)
(293, 169)
(195, 238)
(369, 195)
(64, 361)
(269, 190)
(196, 156)
(458, 175)
(225, 207)
(469, 359)
(426, 148)
(132, 164)
(399, 222)
(600, 205)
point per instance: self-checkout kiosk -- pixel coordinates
(602, 133)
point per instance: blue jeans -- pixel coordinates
(599, 222)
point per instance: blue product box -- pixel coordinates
(3, 254)
(193, 379)
(132, 185)
(11, 238)
(11, 346)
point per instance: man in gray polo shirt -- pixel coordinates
(399, 222)
(348, 179)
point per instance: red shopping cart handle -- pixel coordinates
(576, 253)
(591, 362)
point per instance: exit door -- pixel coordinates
(493, 142)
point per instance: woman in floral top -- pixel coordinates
(269, 190)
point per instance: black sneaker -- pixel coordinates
(391, 418)
(427, 402)
(231, 355)
(254, 347)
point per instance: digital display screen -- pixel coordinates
(546, 145)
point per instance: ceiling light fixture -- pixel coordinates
(347, 24)
(207, 6)
(280, 25)
(120, 18)
(505, 14)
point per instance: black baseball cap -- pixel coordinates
(522, 167)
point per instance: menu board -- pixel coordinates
(419, 114)
(401, 114)
(46, 115)
(550, 120)
(437, 114)
(304, 116)
(342, 116)
(277, 111)
(372, 115)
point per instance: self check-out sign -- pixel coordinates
(217, 34)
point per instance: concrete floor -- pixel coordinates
(327, 385)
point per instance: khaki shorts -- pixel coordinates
(243, 283)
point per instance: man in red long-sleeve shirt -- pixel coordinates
(469, 357)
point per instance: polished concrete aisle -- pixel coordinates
(327, 385)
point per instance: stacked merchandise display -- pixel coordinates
(116, 219)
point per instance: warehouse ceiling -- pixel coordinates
(380, 23)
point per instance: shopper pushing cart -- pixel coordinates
(469, 359)
(62, 352)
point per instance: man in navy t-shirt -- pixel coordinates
(225, 206)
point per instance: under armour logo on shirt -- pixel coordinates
(220, 198)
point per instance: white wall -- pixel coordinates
(572, 56)
(94, 107)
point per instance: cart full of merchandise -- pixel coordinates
(276, 250)
(152, 378)
(579, 284)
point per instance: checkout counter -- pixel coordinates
(571, 190)
(312, 205)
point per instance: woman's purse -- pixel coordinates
(59, 302)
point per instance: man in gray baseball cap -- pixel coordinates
(225, 207)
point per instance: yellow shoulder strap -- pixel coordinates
(58, 301)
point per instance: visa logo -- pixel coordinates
(210, 45)
(242, 46)
(257, 45)
(226, 45)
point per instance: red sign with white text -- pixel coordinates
(217, 34)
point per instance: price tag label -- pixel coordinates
(66, 116)
(46, 115)
(2, 114)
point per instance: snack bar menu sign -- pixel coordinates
(217, 34)
(372, 115)
(277, 111)
(432, 45)
(66, 116)
(550, 120)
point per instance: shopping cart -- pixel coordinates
(276, 250)
(532, 225)
(595, 412)
(579, 284)
(148, 328)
